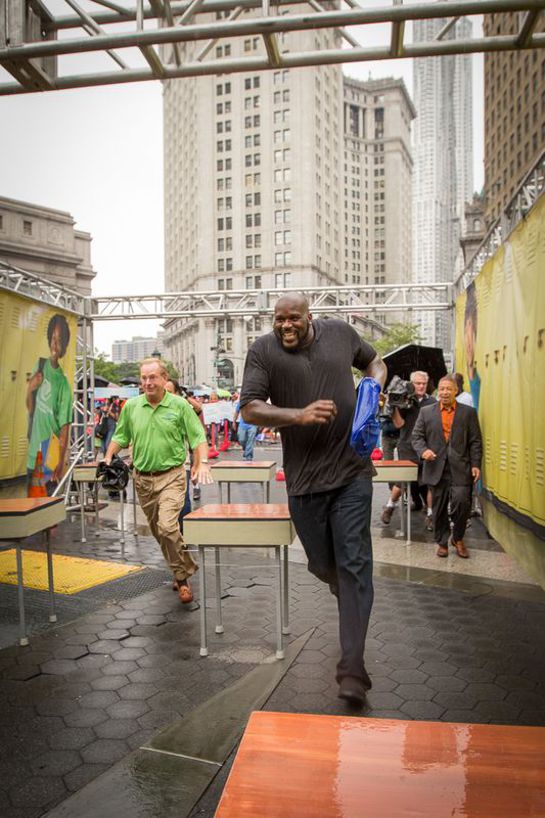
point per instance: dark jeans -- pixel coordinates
(459, 498)
(334, 528)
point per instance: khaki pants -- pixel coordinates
(162, 497)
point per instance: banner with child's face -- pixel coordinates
(38, 357)
(500, 349)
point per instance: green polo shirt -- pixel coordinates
(159, 435)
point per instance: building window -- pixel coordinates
(27, 228)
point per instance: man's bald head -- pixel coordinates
(293, 300)
(293, 322)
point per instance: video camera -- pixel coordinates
(400, 396)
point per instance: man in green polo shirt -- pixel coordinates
(159, 426)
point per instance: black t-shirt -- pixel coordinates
(319, 457)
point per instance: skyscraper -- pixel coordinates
(268, 185)
(443, 165)
(514, 100)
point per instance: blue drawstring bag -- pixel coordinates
(366, 425)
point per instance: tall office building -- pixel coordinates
(377, 182)
(443, 165)
(514, 111)
(259, 172)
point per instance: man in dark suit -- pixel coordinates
(447, 438)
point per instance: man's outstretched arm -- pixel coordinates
(261, 413)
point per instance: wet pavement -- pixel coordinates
(113, 712)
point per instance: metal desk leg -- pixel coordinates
(97, 519)
(23, 638)
(408, 513)
(279, 642)
(202, 584)
(286, 594)
(267, 492)
(81, 493)
(52, 614)
(228, 492)
(219, 620)
(404, 494)
(122, 515)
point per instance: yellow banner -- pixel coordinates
(500, 348)
(38, 357)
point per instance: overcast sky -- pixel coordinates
(97, 153)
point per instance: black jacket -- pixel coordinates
(464, 447)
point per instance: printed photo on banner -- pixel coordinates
(39, 356)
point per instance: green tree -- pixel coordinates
(106, 369)
(116, 372)
(397, 336)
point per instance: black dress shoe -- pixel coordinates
(352, 690)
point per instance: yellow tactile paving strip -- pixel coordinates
(70, 574)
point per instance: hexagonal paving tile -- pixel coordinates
(100, 699)
(104, 751)
(415, 692)
(71, 738)
(85, 718)
(55, 762)
(137, 691)
(109, 682)
(127, 710)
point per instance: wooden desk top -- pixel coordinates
(307, 766)
(239, 511)
(381, 464)
(244, 464)
(20, 506)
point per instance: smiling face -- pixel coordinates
(153, 381)
(293, 323)
(55, 345)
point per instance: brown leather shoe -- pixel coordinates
(386, 515)
(442, 551)
(185, 593)
(461, 550)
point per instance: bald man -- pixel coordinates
(304, 368)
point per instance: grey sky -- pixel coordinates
(97, 153)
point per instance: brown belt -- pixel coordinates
(157, 473)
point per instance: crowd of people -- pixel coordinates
(298, 379)
(448, 456)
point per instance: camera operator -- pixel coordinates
(404, 420)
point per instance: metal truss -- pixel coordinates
(532, 187)
(342, 300)
(41, 289)
(30, 43)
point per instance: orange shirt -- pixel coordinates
(447, 419)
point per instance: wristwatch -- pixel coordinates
(204, 461)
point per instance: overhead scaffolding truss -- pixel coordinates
(341, 300)
(30, 43)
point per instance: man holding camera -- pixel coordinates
(404, 420)
(448, 439)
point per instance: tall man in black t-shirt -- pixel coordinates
(304, 368)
